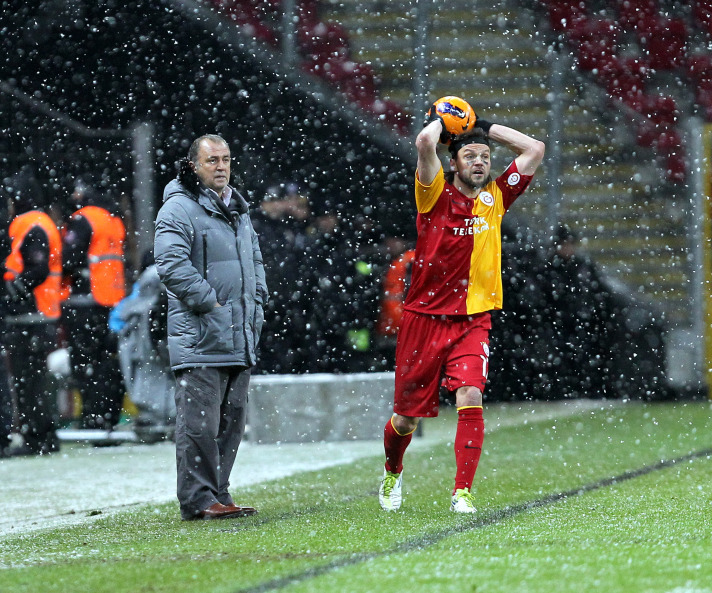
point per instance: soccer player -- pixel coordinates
(456, 282)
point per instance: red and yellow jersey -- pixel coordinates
(458, 255)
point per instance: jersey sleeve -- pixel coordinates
(512, 184)
(427, 195)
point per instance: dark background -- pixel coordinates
(114, 63)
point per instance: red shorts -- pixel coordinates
(434, 350)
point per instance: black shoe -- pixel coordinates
(50, 445)
(4, 444)
(36, 447)
(21, 451)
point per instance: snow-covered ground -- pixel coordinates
(82, 482)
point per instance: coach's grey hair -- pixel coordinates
(195, 147)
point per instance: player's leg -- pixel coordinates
(466, 374)
(396, 437)
(416, 396)
(469, 438)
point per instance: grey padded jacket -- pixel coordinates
(207, 254)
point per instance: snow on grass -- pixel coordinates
(83, 482)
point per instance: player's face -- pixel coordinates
(473, 165)
(213, 165)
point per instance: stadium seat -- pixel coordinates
(699, 68)
(333, 71)
(660, 114)
(249, 18)
(355, 80)
(632, 14)
(595, 41)
(675, 168)
(328, 70)
(359, 83)
(702, 16)
(393, 114)
(703, 99)
(564, 14)
(307, 10)
(323, 41)
(324, 47)
(624, 78)
(664, 42)
(671, 154)
(669, 141)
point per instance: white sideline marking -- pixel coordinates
(69, 487)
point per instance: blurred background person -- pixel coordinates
(5, 394)
(140, 321)
(93, 266)
(522, 336)
(394, 288)
(32, 277)
(580, 308)
(346, 262)
(281, 223)
(603, 342)
(325, 344)
(5, 406)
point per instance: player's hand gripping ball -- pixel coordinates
(456, 116)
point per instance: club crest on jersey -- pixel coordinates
(486, 198)
(513, 179)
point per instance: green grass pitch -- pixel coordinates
(616, 499)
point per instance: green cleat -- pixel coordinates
(389, 492)
(463, 501)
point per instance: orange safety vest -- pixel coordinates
(47, 297)
(394, 290)
(106, 255)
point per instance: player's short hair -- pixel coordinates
(477, 136)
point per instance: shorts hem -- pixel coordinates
(417, 414)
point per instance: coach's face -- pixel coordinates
(213, 166)
(473, 165)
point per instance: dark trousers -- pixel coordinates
(211, 405)
(27, 348)
(95, 364)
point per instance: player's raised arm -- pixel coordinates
(530, 152)
(426, 144)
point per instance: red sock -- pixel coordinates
(395, 445)
(468, 444)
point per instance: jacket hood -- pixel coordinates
(175, 188)
(187, 176)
